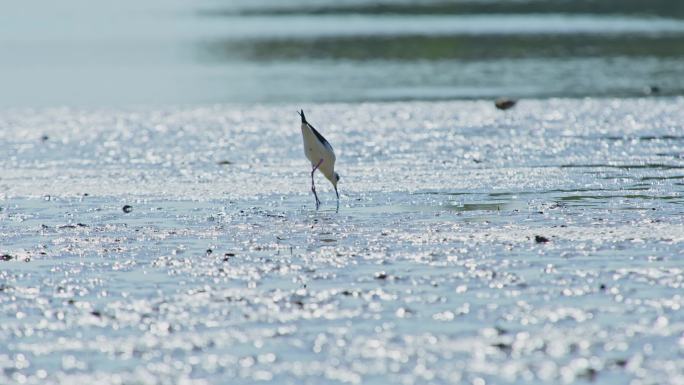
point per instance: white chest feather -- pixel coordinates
(316, 151)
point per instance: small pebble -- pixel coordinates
(505, 103)
(503, 347)
(621, 362)
(650, 90)
(588, 374)
(127, 209)
(381, 275)
(540, 239)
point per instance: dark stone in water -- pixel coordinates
(44, 138)
(127, 209)
(209, 251)
(381, 275)
(621, 362)
(96, 313)
(540, 239)
(589, 374)
(224, 162)
(505, 103)
(650, 90)
(602, 286)
(6, 257)
(504, 347)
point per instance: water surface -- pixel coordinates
(156, 53)
(538, 245)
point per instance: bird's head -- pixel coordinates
(301, 113)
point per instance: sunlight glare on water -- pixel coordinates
(537, 245)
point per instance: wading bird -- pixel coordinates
(321, 155)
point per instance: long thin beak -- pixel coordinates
(337, 210)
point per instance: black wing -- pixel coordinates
(318, 134)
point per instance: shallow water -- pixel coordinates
(433, 271)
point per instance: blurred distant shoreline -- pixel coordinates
(277, 52)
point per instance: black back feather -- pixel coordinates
(318, 134)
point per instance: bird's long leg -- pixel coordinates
(313, 186)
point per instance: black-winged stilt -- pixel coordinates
(321, 155)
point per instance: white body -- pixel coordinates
(315, 150)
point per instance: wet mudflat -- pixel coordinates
(541, 244)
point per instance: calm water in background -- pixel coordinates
(161, 52)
